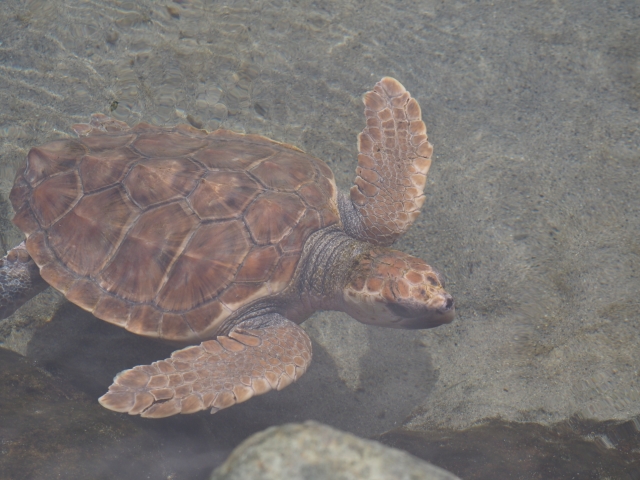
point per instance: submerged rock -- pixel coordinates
(51, 429)
(315, 451)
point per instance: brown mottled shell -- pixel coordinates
(169, 231)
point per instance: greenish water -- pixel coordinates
(532, 213)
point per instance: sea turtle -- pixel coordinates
(224, 240)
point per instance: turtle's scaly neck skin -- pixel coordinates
(322, 274)
(351, 218)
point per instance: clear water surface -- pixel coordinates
(532, 213)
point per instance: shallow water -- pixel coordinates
(533, 210)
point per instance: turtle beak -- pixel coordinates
(416, 316)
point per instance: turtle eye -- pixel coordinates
(439, 278)
(433, 280)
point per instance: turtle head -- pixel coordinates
(389, 288)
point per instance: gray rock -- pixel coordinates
(50, 429)
(313, 451)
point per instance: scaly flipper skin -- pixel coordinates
(20, 280)
(266, 354)
(393, 161)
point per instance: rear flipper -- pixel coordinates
(20, 280)
(268, 353)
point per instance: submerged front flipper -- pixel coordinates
(268, 353)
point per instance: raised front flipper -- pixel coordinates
(20, 280)
(269, 352)
(393, 160)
